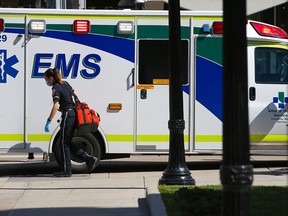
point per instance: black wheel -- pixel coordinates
(88, 143)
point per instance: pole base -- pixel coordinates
(176, 179)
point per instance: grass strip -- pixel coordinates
(207, 200)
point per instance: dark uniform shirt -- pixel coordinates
(63, 93)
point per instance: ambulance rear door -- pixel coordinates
(152, 96)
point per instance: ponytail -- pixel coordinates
(55, 73)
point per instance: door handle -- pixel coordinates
(143, 94)
(252, 93)
(132, 77)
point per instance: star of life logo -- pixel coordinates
(281, 100)
(6, 66)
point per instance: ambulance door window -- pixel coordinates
(271, 66)
(154, 61)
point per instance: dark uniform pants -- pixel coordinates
(67, 131)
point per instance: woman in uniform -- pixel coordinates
(62, 94)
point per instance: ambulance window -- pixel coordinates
(154, 61)
(271, 65)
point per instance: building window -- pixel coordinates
(282, 16)
(277, 16)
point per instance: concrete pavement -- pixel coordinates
(114, 190)
(95, 194)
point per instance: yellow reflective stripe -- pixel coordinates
(150, 138)
(157, 138)
(253, 138)
(20, 137)
(140, 138)
(216, 18)
(160, 17)
(39, 137)
(12, 16)
(76, 16)
(269, 138)
(11, 137)
(208, 138)
(119, 138)
(276, 45)
(153, 138)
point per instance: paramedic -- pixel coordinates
(62, 94)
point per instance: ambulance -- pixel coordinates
(117, 61)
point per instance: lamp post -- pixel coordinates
(236, 171)
(176, 172)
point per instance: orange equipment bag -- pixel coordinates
(87, 119)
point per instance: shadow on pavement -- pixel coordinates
(78, 211)
(276, 172)
(110, 166)
(28, 168)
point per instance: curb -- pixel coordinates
(154, 202)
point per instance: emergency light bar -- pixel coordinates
(206, 28)
(125, 27)
(261, 28)
(217, 27)
(269, 31)
(37, 26)
(1, 25)
(81, 26)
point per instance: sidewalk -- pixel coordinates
(82, 194)
(106, 193)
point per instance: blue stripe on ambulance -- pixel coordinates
(124, 48)
(121, 47)
(209, 85)
(15, 30)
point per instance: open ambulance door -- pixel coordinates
(268, 98)
(12, 86)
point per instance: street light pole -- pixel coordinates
(176, 172)
(236, 171)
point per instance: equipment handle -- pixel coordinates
(77, 101)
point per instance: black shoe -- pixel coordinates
(91, 163)
(62, 174)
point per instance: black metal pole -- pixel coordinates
(176, 172)
(236, 171)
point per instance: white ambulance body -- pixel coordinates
(118, 63)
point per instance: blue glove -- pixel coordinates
(47, 126)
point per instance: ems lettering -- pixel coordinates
(69, 66)
(90, 62)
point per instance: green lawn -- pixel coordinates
(206, 200)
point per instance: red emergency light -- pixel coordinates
(81, 26)
(269, 31)
(217, 27)
(1, 25)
